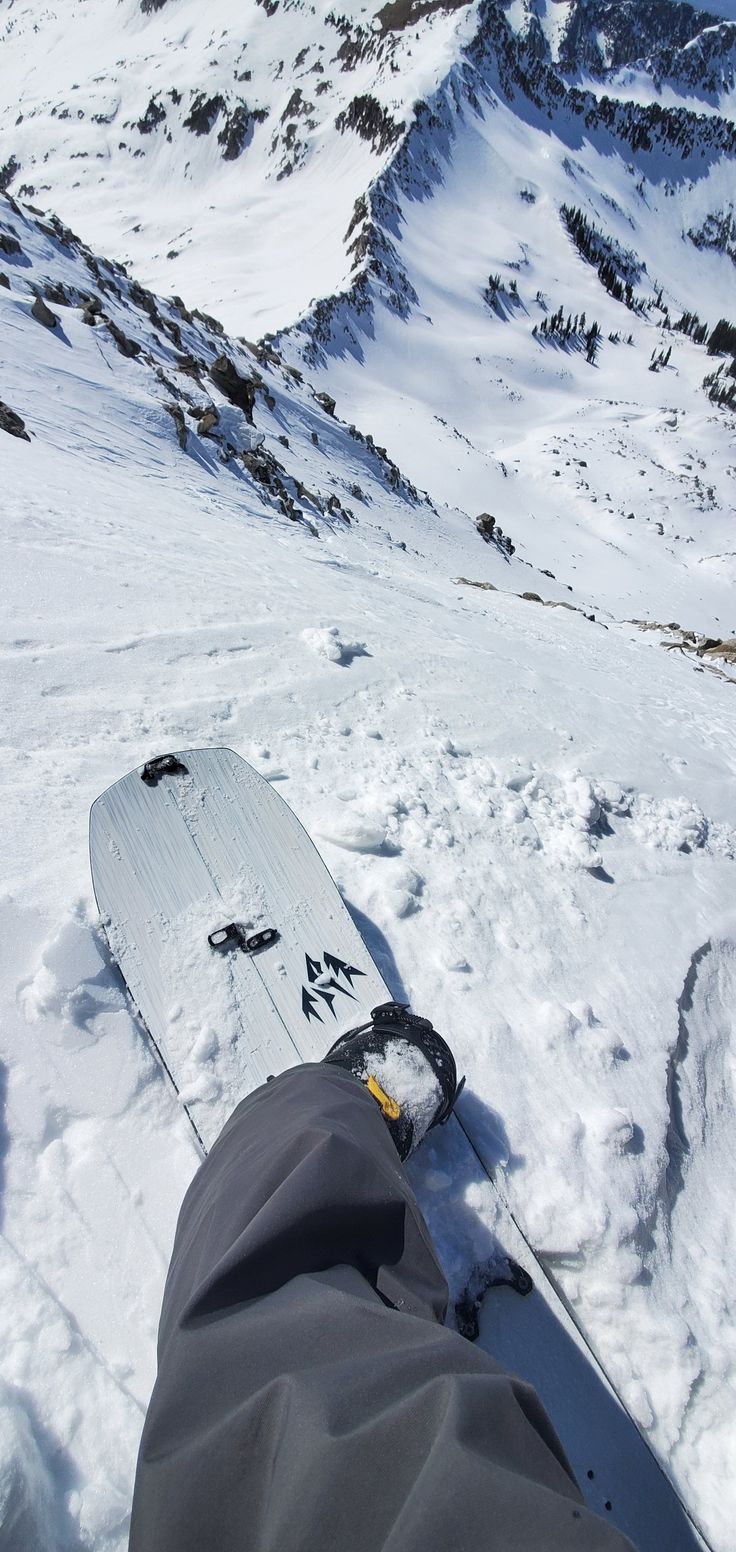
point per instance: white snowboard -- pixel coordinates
(201, 843)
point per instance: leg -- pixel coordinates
(308, 1397)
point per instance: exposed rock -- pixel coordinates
(213, 324)
(9, 244)
(56, 293)
(532, 598)
(190, 365)
(43, 314)
(147, 302)
(154, 115)
(177, 416)
(327, 402)
(208, 421)
(485, 525)
(398, 14)
(4, 281)
(237, 131)
(8, 172)
(12, 423)
(203, 113)
(241, 391)
(467, 582)
(126, 346)
(183, 311)
(92, 310)
(723, 649)
(371, 121)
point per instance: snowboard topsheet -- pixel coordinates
(243, 960)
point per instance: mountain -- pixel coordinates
(278, 116)
(352, 483)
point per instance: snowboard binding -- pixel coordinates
(407, 1067)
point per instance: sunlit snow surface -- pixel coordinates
(533, 809)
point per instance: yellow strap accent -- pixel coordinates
(389, 1106)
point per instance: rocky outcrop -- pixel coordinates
(154, 115)
(126, 346)
(204, 113)
(372, 122)
(241, 391)
(237, 130)
(43, 314)
(11, 422)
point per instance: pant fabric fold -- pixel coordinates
(309, 1398)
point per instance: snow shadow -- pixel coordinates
(380, 949)
(39, 1478)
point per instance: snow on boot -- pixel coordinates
(407, 1067)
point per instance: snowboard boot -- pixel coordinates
(407, 1067)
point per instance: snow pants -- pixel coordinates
(309, 1398)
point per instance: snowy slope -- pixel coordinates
(529, 799)
(270, 121)
(501, 790)
(613, 477)
(132, 122)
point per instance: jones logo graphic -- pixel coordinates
(326, 983)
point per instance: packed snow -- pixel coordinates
(518, 762)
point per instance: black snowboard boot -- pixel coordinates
(408, 1068)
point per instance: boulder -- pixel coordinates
(241, 391)
(208, 421)
(12, 423)
(43, 314)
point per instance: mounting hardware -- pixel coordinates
(163, 765)
(235, 936)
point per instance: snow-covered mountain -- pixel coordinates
(271, 120)
(415, 537)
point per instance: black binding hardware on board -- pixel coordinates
(163, 765)
(396, 1016)
(234, 936)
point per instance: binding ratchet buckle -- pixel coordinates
(234, 936)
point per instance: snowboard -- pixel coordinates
(242, 959)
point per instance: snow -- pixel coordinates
(132, 194)
(529, 807)
(406, 1077)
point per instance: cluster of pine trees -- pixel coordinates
(572, 329)
(615, 271)
(690, 324)
(497, 289)
(722, 339)
(660, 358)
(719, 389)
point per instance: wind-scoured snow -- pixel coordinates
(465, 595)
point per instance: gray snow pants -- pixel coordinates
(309, 1398)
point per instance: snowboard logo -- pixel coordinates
(326, 984)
